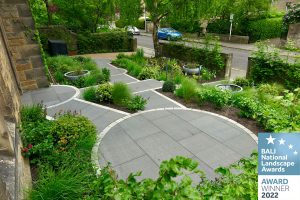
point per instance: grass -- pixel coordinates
(121, 94)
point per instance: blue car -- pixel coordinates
(168, 34)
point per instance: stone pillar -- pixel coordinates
(294, 34)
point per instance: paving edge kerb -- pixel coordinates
(94, 155)
(77, 93)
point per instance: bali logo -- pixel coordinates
(279, 166)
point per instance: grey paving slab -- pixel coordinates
(145, 85)
(122, 78)
(162, 147)
(166, 124)
(118, 153)
(48, 96)
(198, 142)
(154, 100)
(151, 170)
(218, 155)
(143, 141)
(72, 106)
(104, 63)
(106, 119)
(139, 127)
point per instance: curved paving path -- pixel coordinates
(140, 142)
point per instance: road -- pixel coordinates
(239, 61)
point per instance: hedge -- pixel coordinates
(210, 59)
(265, 29)
(269, 67)
(104, 42)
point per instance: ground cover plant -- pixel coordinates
(117, 95)
(66, 172)
(60, 65)
(275, 108)
(158, 68)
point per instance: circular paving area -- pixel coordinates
(143, 141)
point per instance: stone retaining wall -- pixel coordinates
(17, 28)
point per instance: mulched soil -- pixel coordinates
(111, 105)
(230, 112)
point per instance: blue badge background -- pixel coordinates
(281, 150)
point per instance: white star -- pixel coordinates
(281, 141)
(291, 146)
(270, 139)
(295, 153)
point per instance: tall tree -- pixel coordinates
(159, 9)
(130, 11)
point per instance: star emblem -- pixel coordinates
(281, 141)
(270, 139)
(291, 146)
(295, 153)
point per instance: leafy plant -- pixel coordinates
(106, 74)
(213, 95)
(243, 82)
(120, 94)
(34, 113)
(89, 94)
(271, 89)
(136, 103)
(104, 93)
(148, 73)
(187, 90)
(169, 86)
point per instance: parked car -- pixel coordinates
(168, 34)
(132, 29)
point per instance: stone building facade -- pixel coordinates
(21, 70)
(18, 27)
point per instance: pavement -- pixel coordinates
(141, 141)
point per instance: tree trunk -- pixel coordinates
(48, 12)
(155, 39)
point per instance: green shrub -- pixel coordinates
(104, 93)
(121, 94)
(219, 26)
(243, 82)
(268, 67)
(71, 128)
(265, 29)
(89, 94)
(31, 114)
(169, 86)
(187, 90)
(271, 89)
(148, 73)
(213, 95)
(106, 74)
(136, 103)
(104, 42)
(132, 67)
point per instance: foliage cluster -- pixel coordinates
(69, 174)
(265, 29)
(292, 16)
(169, 86)
(268, 67)
(209, 56)
(60, 65)
(44, 139)
(273, 107)
(118, 94)
(104, 42)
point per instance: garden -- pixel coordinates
(78, 71)
(117, 95)
(60, 150)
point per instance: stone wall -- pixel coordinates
(294, 34)
(17, 28)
